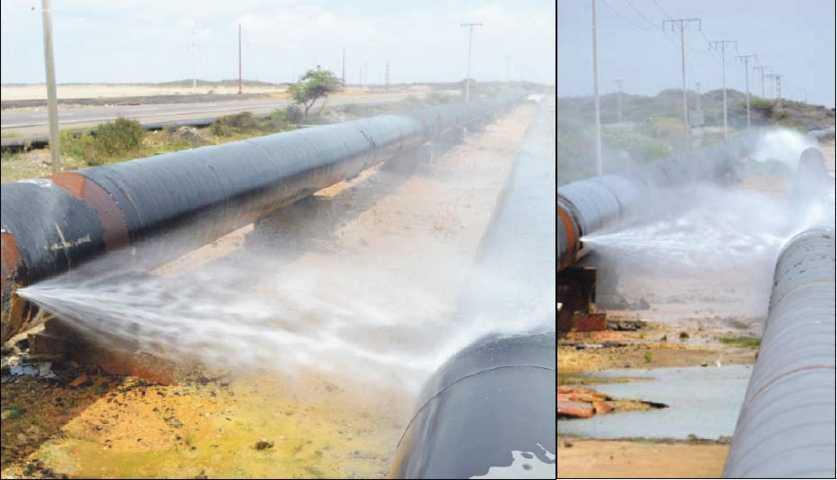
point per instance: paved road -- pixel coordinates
(33, 122)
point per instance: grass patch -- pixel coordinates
(741, 341)
(586, 379)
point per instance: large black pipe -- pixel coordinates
(490, 410)
(170, 204)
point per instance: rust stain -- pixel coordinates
(111, 216)
(569, 227)
(9, 259)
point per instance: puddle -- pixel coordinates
(703, 401)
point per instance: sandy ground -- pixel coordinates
(111, 426)
(640, 459)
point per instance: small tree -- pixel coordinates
(315, 84)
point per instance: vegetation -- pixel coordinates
(314, 85)
(741, 341)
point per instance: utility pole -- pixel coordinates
(681, 24)
(194, 62)
(762, 69)
(470, 26)
(386, 75)
(52, 96)
(344, 67)
(619, 100)
(697, 98)
(239, 59)
(778, 79)
(599, 163)
(722, 45)
(746, 60)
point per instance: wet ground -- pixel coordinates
(85, 423)
(709, 414)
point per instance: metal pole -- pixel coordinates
(52, 96)
(619, 101)
(344, 67)
(599, 165)
(724, 86)
(723, 46)
(239, 59)
(470, 27)
(683, 76)
(746, 60)
(682, 23)
(747, 86)
(386, 80)
(761, 69)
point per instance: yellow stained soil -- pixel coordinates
(123, 428)
(639, 459)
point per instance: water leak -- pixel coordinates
(709, 412)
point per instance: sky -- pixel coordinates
(160, 40)
(794, 37)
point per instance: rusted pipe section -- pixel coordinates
(164, 206)
(787, 424)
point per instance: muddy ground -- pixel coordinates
(703, 319)
(86, 423)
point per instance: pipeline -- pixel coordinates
(165, 206)
(786, 427)
(490, 410)
(588, 205)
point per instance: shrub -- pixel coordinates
(117, 137)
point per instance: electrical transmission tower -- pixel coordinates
(722, 46)
(681, 24)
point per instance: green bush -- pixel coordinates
(118, 137)
(232, 124)
(105, 143)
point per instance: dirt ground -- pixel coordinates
(640, 459)
(255, 424)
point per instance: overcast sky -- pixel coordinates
(795, 37)
(151, 40)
